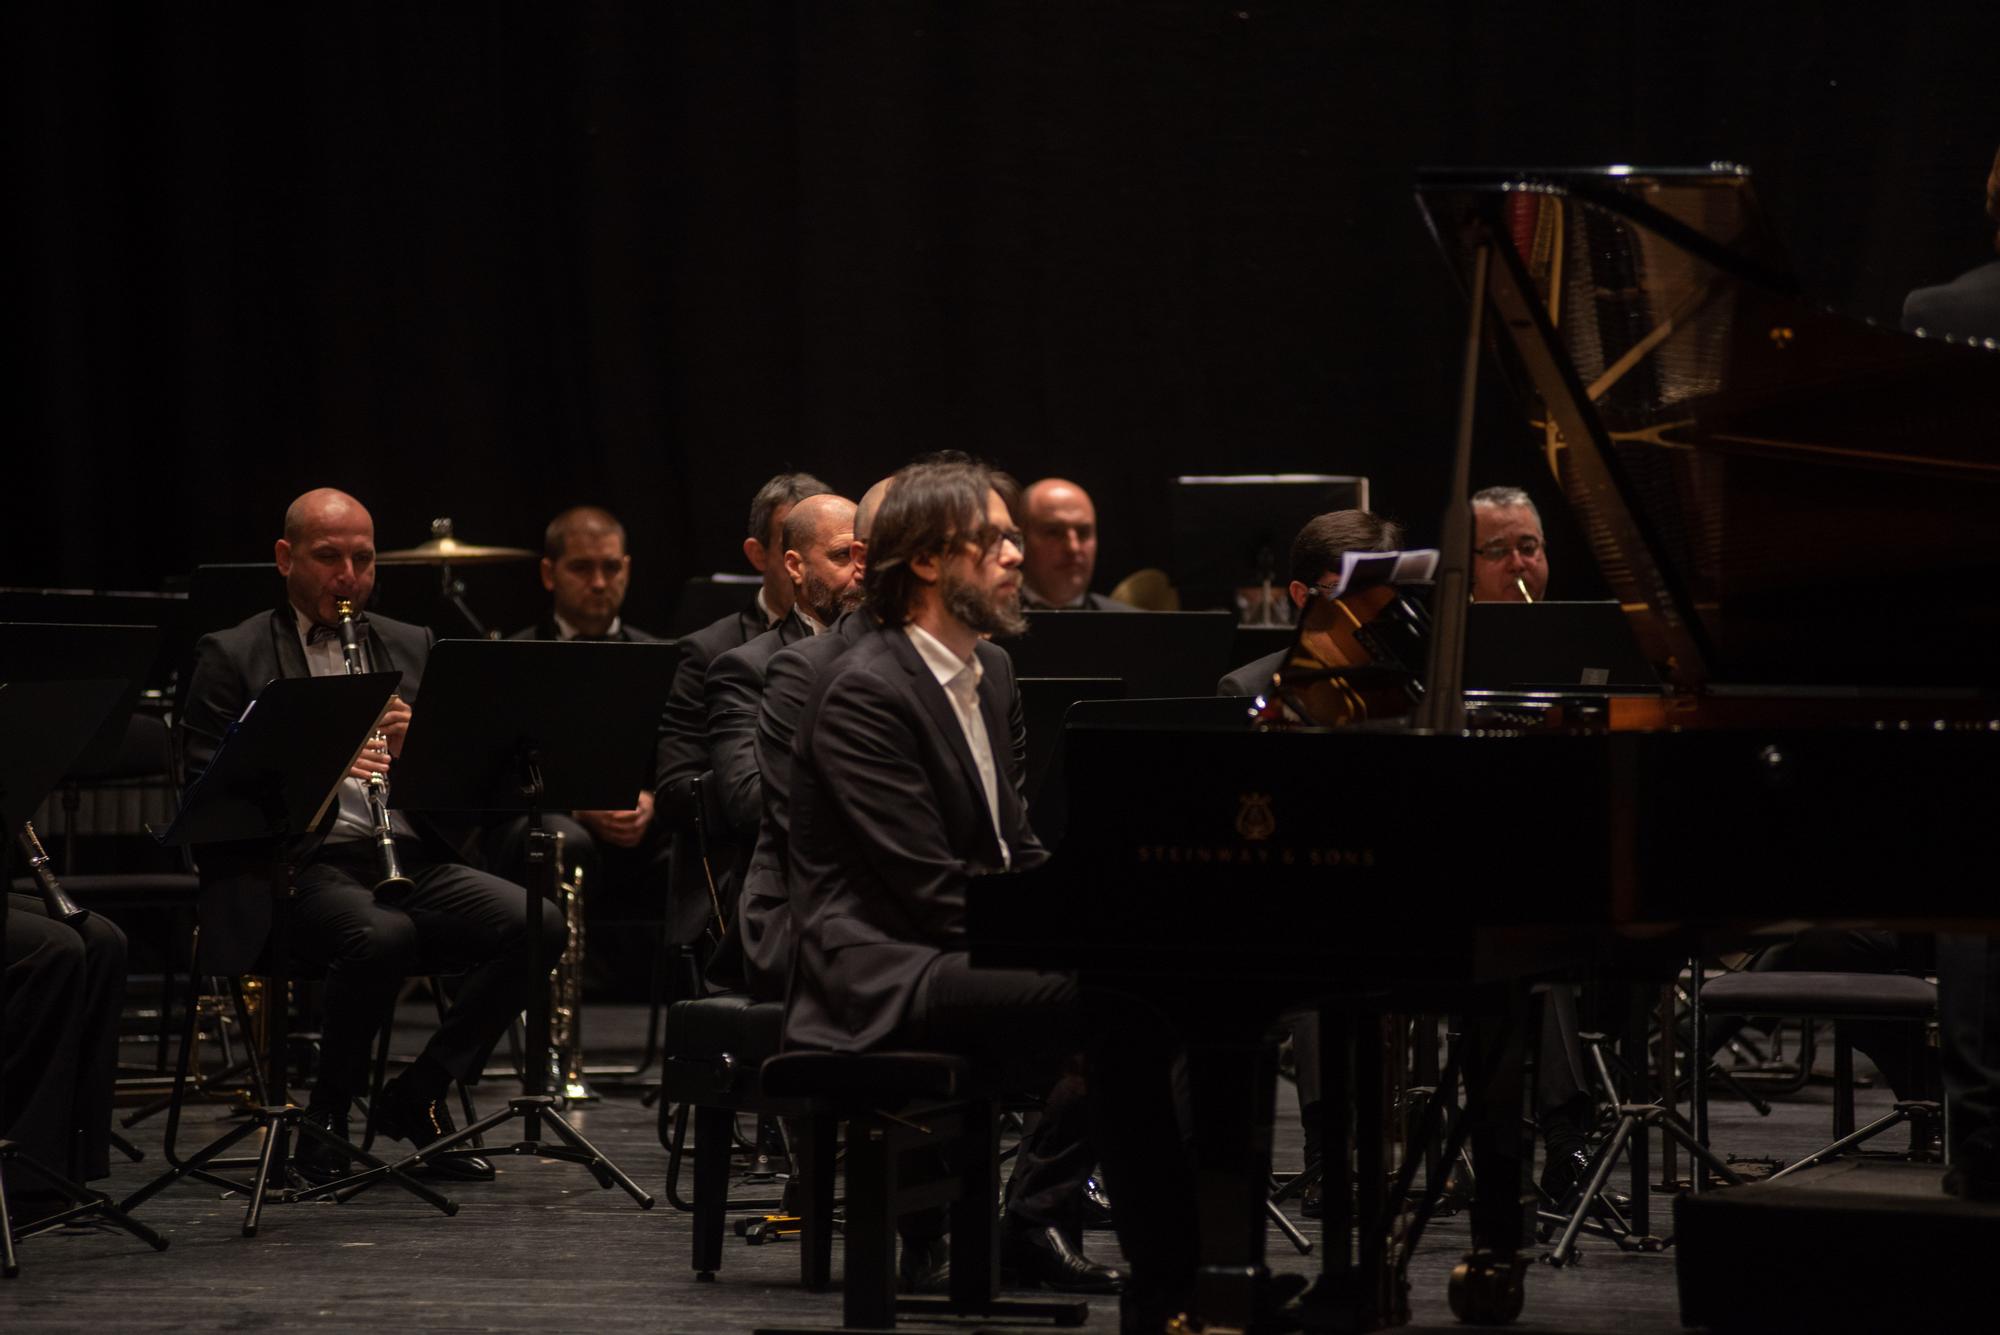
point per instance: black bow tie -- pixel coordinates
(320, 634)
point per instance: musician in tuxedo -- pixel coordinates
(682, 756)
(1315, 564)
(764, 908)
(822, 558)
(587, 570)
(903, 788)
(1509, 553)
(1059, 522)
(61, 987)
(1969, 305)
(454, 919)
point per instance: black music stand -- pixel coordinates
(276, 773)
(529, 726)
(52, 701)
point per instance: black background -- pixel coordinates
(490, 259)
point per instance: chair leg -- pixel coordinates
(1843, 1082)
(869, 1299)
(975, 1241)
(713, 1135)
(817, 1152)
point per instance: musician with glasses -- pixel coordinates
(904, 786)
(1510, 557)
(452, 919)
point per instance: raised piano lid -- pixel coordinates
(1779, 494)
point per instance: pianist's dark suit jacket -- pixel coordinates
(230, 667)
(888, 825)
(682, 757)
(764, 913)
(1252, 678)
(1968, 306)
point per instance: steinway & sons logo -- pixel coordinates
(1256, 823)
(1254, 820)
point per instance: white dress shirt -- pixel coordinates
(960, 679)
(567, 632)
(354, 820)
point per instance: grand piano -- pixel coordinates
(1796, 510)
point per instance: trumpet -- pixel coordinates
(54, 898)
(392, 878)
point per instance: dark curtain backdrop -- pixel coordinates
(489, 259)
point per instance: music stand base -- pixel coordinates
(84, 1204)
(533, 1110)
(282, 1126)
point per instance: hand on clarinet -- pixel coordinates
(620, 829)
(394, 724)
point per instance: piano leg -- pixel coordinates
(1486, 1287)
(1232, 1087)
(1357, 1290)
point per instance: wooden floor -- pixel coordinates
(543, 1249)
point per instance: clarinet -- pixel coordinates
(54, 898)
(392, 878)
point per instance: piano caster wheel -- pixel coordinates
(1486, 1289)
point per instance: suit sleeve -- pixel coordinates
(864, 755)
(216, 698)
(682, 753)
(787, 681)
(732, 690)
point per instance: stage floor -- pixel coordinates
(543, 1249)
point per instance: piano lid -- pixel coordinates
(1778, 494)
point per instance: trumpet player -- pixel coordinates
(1510, 557)
(366, 932)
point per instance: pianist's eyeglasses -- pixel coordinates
(990, 538)
(1528, 545)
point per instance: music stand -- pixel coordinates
(529, 726)
(52, 700)
(277, 771)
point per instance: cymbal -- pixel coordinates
(450, 551)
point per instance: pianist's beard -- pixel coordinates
(994, 611)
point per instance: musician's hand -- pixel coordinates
(394, 724)
(374, 759)
(620, 829)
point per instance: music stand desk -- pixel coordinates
(531, 726)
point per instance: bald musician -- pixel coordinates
(682, 757)
(452, 918)
(1059, 523)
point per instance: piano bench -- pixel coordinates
(713, 1053)
(1842, 998)
(923, 1132)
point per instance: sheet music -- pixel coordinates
(1366, 570)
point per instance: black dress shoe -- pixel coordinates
(1096, 1203)
(314, 1160)
(925, 1267)
(1043, 1256)
(401, 1115)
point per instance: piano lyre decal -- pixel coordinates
(1254, 820)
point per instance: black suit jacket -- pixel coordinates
(230, 667)
(1252, 678)
(888, 825)
(734, 690)
(1968, 306)
(682, 757)
(764, 912)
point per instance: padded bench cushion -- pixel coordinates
(1832, 995)
(731, 1025)
(868, 1079)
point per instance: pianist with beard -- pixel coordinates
(903, 789)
